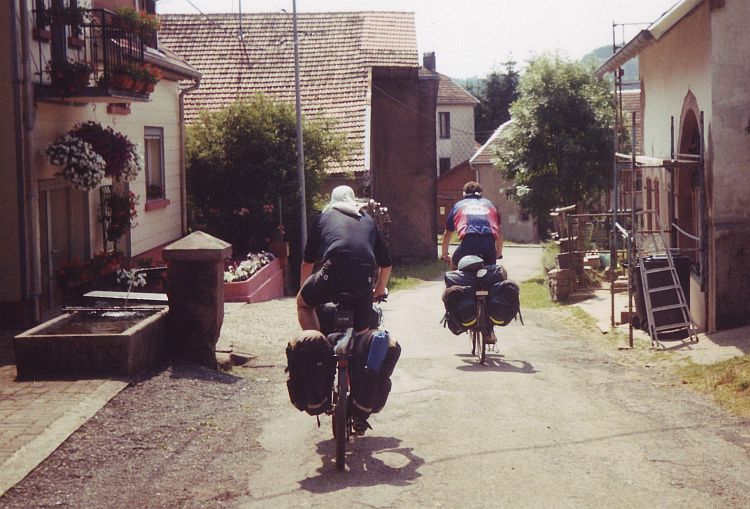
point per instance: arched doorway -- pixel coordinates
(686, 189)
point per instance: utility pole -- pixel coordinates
(300, 149)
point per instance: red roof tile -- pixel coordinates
(450, 92)
(336, 52)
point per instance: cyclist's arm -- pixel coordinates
(447, 234)
(499, 242)
(380, 285)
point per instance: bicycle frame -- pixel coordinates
(481, 328)
(343, 424)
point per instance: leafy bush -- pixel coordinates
(242, 162)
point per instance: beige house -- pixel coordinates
(47, 221)
(696, 155)
(454, 120)
(518, 225)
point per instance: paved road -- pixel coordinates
(551, 421)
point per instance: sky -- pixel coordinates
(471, 38)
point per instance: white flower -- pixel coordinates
(82, 167)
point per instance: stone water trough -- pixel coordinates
(122, 341)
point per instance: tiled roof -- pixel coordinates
(486, 152)
(336, 52)
(449, 92)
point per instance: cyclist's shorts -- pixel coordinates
(479, 245)
(339, 276)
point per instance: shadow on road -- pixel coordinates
(370, 461)
(494, 362)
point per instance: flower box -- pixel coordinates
(266, 284)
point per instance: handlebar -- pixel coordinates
(381, 298)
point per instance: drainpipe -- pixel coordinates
(24, 92)
(183, 185)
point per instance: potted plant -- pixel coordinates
(120, 212)
(121, 77)
(138, 73)
(81, 165)
(67, 15)
(123, 163)
(151, 77)
(150, 21)
(70, 76)
(127, 18)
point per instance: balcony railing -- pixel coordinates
(89, 54)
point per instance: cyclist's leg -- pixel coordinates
(463, 249)
(486, 249)
(315, 291)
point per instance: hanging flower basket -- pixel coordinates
(123, 211)
(123, 163)
(81, 165)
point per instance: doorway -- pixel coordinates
(61, 232)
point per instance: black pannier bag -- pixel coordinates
(370, 385)
(460, 308)
(326, 314)
(503, 304)
(460, 278)
(311, 369)
(495, 274)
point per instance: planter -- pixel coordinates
(149, 88)
(121, 81)
(266, 284)
(137, 86)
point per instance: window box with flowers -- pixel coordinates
(258, 278)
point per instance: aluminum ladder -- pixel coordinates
(651, 243)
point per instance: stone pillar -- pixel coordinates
(195, 288)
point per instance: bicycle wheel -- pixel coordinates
(340, 420)
(481, 343)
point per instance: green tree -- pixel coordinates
(558, 149)
(496, 93)
(242, 159)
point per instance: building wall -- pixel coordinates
(515, 227)
(461, 145)
(450, 190)
(155, 227)
(10, 192)
(728, 137)
(678, 63)
(403, 158)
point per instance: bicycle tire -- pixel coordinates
(340, 421)
(481, 343)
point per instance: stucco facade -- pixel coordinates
(47, 221)
(461, 145)
(692, 65)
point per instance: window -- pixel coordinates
(445, 165)
(525, 216)
(445, 124)
(154, 159)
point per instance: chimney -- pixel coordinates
(428, 60)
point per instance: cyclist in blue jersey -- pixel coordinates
(476, 221)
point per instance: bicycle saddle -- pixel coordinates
(471, 263)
